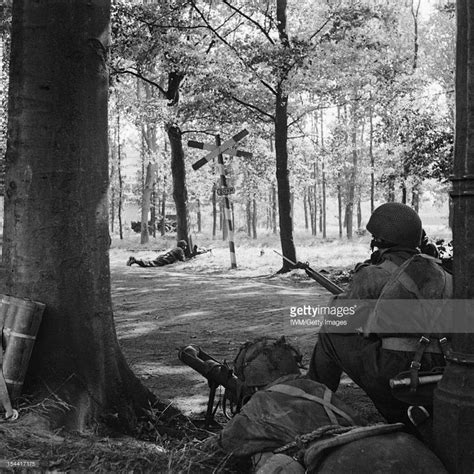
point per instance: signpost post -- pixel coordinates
(229, 148)
(227, 211)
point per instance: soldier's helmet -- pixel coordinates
(183, 244)
(266, 359)
(396, 223)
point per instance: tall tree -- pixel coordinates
(56, 236)
(454, 400)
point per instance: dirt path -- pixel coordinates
(159, 310)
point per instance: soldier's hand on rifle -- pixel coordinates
(302, 265)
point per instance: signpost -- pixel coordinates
(218, 150)
(225, 191)
(229, 148)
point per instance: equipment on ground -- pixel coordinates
(257, 364)
(321, 279)
(217, 374)
(20, 319)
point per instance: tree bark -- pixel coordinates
(113, 160)
(199, 216)
(305, 208)
(414, 14)
(453, 399)
(146, 202)
(311, 211)
(214, 212)
(339, 209)
(281, 151)
(180, 192)
(372, 160)
(56, 218)
(404, 191)
(163, 209)
(359, 214)
(274, 210)
(415, 197)
(315, 199)
(323, 180)
(153, 206)
(353, 177)
(119, 175)
(249, 217)
(254, 218)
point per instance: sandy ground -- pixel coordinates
(204, 303)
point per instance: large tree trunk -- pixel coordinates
(284, 205)
(180, 193)
(56, 219)
(454, 397)
(281, 151)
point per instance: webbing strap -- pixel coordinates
(329, 412)
(297, 392)
(409, 284)
(390, 266)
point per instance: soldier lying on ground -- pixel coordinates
(396, 271)
(171, 256)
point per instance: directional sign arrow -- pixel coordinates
(220, 149)
(230, 151)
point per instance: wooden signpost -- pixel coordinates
(229, 148)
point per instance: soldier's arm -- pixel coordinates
(180, 254)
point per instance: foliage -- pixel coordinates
(227, 61)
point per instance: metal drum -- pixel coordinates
(21, 320)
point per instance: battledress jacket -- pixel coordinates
(409, 275)
(171, 256)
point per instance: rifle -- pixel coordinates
(199, 251)
(217, 374)
(321, 279)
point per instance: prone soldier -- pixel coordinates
(175, 254)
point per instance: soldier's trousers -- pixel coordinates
(157, 262)
(368, 365)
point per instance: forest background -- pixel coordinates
(367, 89)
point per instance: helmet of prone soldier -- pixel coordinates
(396, 223)
(183, 244)
(266, 359)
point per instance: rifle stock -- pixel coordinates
(323, 281)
